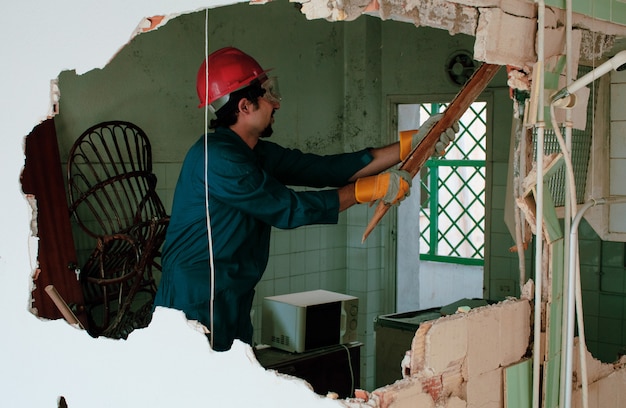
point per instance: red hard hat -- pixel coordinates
(230, 69)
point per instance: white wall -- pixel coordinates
(442, 284)
(167, 364)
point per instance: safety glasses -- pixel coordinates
(272, 94)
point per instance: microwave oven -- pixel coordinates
(303, 321)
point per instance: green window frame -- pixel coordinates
(452, 214)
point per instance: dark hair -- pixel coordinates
(227, 114)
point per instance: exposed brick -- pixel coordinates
(418, 348)
(433, 386)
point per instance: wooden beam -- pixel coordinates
(461, 102)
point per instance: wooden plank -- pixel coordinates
(461, 102)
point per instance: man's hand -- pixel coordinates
(409, 139)
(391, 187)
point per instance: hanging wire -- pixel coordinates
(206, 169)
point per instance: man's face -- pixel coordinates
(268, 105)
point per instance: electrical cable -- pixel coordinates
(206, 172)
(351, 371)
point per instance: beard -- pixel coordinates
(267, 132)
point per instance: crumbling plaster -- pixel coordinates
(505, 30)
(167, 364)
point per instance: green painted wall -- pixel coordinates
(603, 282)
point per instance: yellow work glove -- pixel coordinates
(391, 187)
(411, 138)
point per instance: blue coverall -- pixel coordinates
(247, 196)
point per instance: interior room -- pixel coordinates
(446, 281)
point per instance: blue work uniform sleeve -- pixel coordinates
(295, 168)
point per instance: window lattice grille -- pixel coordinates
(452, 215)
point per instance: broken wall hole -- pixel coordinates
(71, 270)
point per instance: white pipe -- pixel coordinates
(539, 210)
(617, 62)
(570, 282)
(575, 270)
(582, 343)
(569, 204)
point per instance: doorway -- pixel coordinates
(441, 225)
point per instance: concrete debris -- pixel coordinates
(606, 381)
(528, 290)
(519, 79)
(595, 45)
(456, 361)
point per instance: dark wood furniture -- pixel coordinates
(328, 369)
(113, 199)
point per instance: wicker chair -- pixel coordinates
(113, 198)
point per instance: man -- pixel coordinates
(245, 179)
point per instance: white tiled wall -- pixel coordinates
(330, 257)
(617, 186)
(366, 279)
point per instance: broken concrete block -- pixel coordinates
(446, 344)
(460, 357)
(485, 390)
(406, 393)
(515, 331)
(606, 382)
(482, 340)
(596, 369)
(505, 39)
(484, 345)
